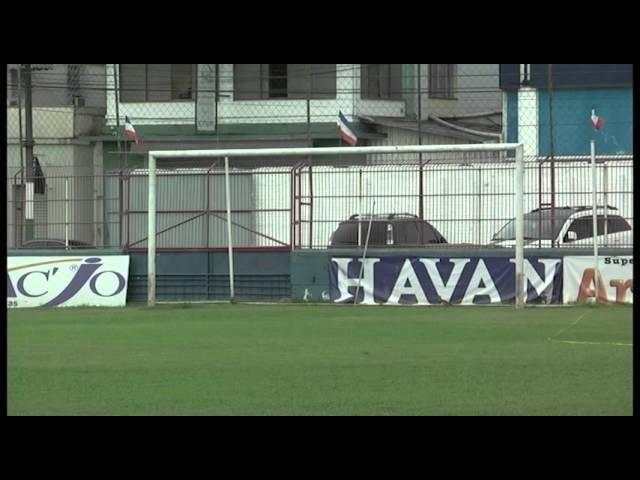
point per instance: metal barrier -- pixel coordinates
(284, 208)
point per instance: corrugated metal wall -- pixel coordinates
(467, 203)
(182, 199)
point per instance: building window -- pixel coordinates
(381, 81)
(281, 80)
(441, 80)
(12, 97)
(277, 80)
(157, 82)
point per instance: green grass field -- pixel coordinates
(320, 360)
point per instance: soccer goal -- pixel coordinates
(341, 180)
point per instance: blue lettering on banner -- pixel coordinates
(442, 280)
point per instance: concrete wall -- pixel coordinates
(572, 121)
(269, 111)
(478, 88)
(60, 82)
(60, 162)
(205, 276)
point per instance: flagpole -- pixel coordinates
(117, 102)
(595, 216)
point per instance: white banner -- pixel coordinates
(615, 279)
(67, 281)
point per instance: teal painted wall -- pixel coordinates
(409, 81)
(572, 121)
(310, 273)
(200, 276)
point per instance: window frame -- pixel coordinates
(449, 92)
(265, 88)
(194, 75)
(366, 92)
(14, 90)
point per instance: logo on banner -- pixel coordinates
(612, 283)
(52, 278)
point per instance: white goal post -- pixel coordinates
(400, 149)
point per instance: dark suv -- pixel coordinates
(388, 230)
(53, 243)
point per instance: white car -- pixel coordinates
(568, 227)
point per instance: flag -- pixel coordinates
(597, 121)
(39, 181)
(346, 130)
(129, 131)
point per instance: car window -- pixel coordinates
(45, 244)
(378, 235)
(42, 244)
(616, 223)
(430, 234)
(584, 226)
(347, 234)
(406, 233)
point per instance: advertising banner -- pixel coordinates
(442, 280)
(614, 282)
(67, 281)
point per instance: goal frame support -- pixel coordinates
(154, 155)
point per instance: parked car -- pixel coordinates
(53, 243)
(387, 230)
(568, 227)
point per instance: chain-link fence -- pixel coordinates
(306, 206)
(95, 178)
(463, 99)
(478, 100)
(67, 208)
(467, 203)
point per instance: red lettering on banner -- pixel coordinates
(587, 287)
(621, 287)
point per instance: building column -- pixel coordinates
(528, 120)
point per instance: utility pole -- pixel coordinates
(28, 117)
(116, 91)
(421, 171)
(310, 158)
(551, 150)
(28, 144)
